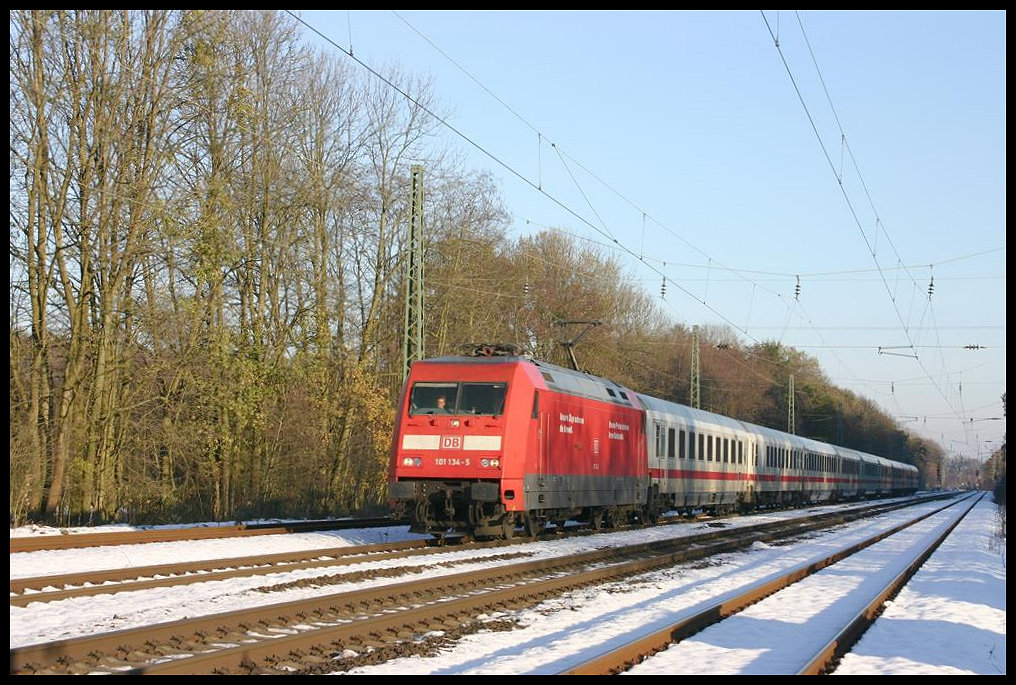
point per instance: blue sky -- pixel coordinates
(692, 119)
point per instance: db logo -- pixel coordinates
(451, 442)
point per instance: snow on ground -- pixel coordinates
(37, 530)
(60, 561)
(950, 618)
(42, 622)
(56, 562)
(781, 633)
(551, 637)
(563, 632)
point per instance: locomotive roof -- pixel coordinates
(587, 385)
(558, 378)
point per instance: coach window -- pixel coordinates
(670, 443)
(681, 451)
(726, 450)
(701, 446)
(740, 452)
(709, 448)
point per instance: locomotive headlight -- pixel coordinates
(417, 461)
(495, 462)
(485, 462)
(408, 461)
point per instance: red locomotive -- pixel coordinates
(489, 442)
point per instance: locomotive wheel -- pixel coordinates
(508, 526)
(420, 512)
(596, 520)
(532, 525)
(613, 518)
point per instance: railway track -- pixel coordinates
(51, 588)
(622, 658)
(315, 635)
(25, 591)
(137, 537)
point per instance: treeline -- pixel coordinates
(207, 218)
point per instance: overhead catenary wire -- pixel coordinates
(817, 329)
(845, 147)
(848, 201)
(508, 167)
(563, 154)
(538, 186)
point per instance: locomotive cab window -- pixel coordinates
(484, 399)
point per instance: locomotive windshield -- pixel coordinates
(484, 399)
